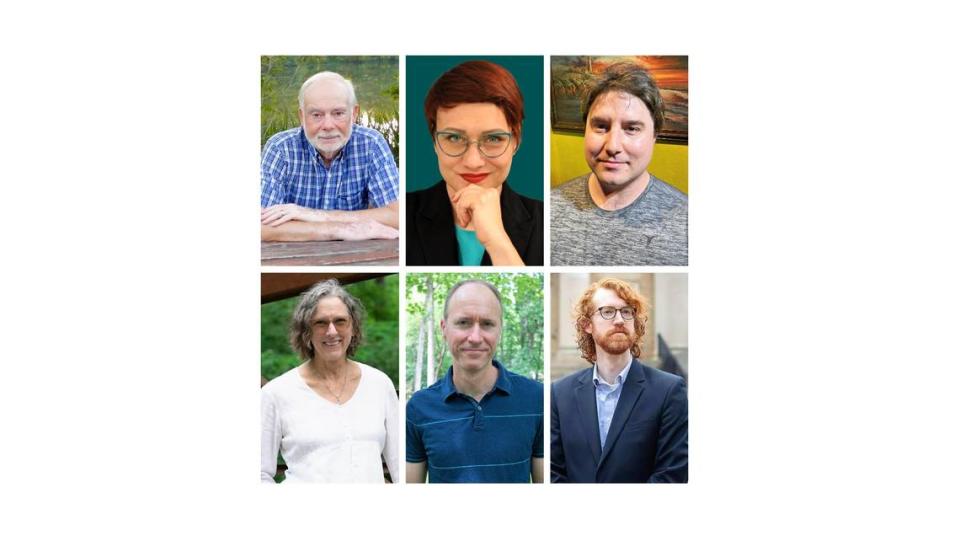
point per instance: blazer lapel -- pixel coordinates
(586, 398)
(517, 222)
(632, 389)
(435, 231)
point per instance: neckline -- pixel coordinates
(331, 402)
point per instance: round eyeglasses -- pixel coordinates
(609, 312)
(491, 145)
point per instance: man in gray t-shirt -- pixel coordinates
(619, 214)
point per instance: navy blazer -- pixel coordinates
(647, 441)
(432, 239)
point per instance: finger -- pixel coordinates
(386, 232)
(462, 211)
(267, 217)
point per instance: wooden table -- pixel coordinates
(333, 252)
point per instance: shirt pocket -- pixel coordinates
(351, 198)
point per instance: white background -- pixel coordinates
(823, 281)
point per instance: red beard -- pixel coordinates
(616, 341)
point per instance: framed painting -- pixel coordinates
(572, 77)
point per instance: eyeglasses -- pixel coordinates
(609, 312)
(339, 323)
(491, 145)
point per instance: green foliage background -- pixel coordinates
(380, 347)
(521, 345)
(376, 81)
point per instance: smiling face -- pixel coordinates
(332, 329)
(327, 116)
(474, 122)
(614, 336)
(472, 327)
(618, 141)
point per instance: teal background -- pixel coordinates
(526, 172)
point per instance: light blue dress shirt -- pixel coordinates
(607, 397)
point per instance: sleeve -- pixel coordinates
(558, 469)
(273, 166)
(383, 179)
(671, 460)
(415, 450)
(391, 449)
(269, 437)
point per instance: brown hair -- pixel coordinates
(301, 328)
(476, 81)
(583, 309)
(632, 79)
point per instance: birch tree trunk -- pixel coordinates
(428, 323)
(419, 369)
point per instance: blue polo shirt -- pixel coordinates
(464, 441)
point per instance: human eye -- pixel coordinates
(451, 137)
(461, 323)
(339, 113)
(633, 129)
(496, 138)
(488, 324)
(608, 311)
(599, 126)
(627, 311)
(340, 322)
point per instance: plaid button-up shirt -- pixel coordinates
(362, 175)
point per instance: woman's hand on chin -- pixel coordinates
(479, 209)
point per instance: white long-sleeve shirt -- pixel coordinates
(325, 442)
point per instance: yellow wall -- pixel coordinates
(566, 161)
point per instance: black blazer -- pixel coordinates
(432, 239)
(647, 440)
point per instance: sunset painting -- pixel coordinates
(571, 78)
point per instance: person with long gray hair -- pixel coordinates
(332, 419)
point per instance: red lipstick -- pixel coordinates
(474, 178)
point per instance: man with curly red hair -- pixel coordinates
(618, 421)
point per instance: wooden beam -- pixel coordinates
(275, 286)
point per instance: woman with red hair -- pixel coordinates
(474, 113)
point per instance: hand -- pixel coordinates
(366, 230)
(279, 214)
(480, 208)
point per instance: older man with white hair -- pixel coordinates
(328, 179)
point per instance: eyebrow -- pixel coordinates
(486, 132)
(320, 109)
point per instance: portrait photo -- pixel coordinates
(330, 151)
(474, 389)
(329, 378)
(474, 169)
(618, 160)
(618, 371)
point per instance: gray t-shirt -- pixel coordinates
(650, 231)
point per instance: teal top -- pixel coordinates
(471, 251)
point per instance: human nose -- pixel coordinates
(618, 318)
(472, 157)
(474, 333)
(326, 122)
(614, 142)
(331, 329)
